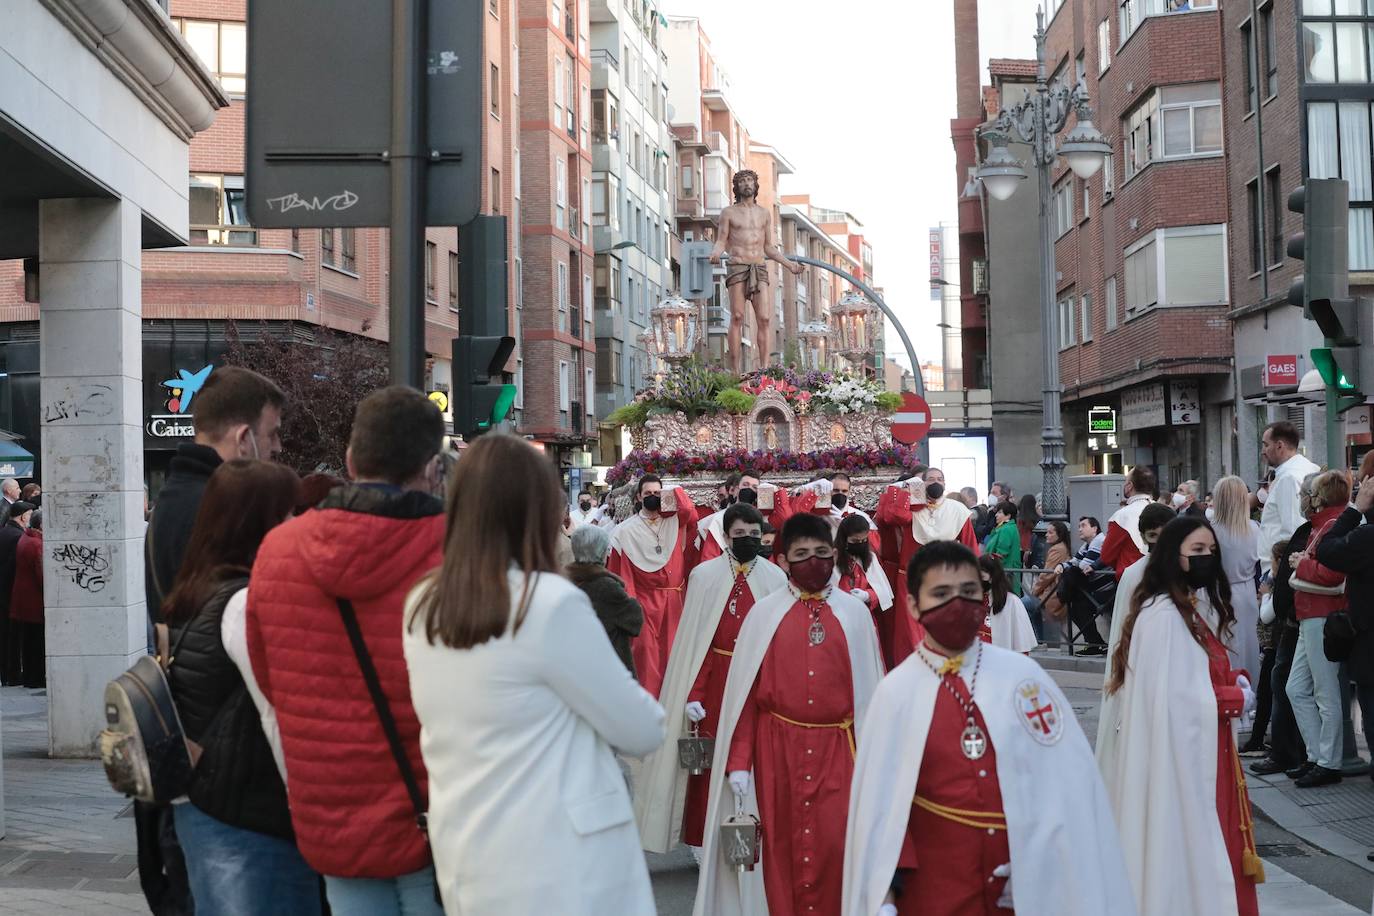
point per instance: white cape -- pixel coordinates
(635, 539)
(712, 526)
(1128, 519)
(1162, 778)
(720, 892)
(878, 579)
(1012, 628)
(1058, 821)
(662, 788)
(1109, 715)
(942, 521)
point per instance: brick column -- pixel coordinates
(91, 344)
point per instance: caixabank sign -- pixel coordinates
(174, 371)
(175, 422)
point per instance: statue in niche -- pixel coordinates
(704, 435)
(771, 433)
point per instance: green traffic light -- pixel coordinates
(500, 408)
(1324, 360)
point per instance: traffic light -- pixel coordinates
(698, 273)
(482, 399)
(1323, 244)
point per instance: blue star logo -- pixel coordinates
(184, 388)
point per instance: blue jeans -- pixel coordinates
(235, 871)
(1035, 611)
(407, 895)
(1314, 689)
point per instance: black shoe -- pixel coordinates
(1092, 650)
(1253, 748)
(1369, 856)
(1319, 776)
(1267, 767)
(1301, 770)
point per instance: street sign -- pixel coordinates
(911, 422)
(1281, 371)
(319, 113)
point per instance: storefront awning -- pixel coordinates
(15, 460)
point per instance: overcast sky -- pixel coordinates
(858, 97)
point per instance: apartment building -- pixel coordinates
(631, 191)
(1144, 277)
(808, 297)
(284, 282)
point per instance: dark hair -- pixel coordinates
(1143, 480)
(1007, 493)
(1155, 516)
(739, 177)
(243, 500)
(738, 512)
(1000, 584)
(943, 554)
(1164, 576)
(30, 491)
(1027, 517)
(36, 520)
(731, 480)
(1007, 508)
(396, 432)
(849, 526)
(647, 478)
(1283, 431)
(505, 505)
(314, 488)
(748, 472)
(233, 395)
(838, 475)
(1092, 520)
(803, 526)
(769, 529)
(1061, 531)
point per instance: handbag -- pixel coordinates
(1312, 588)
(388, 722)
(1338, 636)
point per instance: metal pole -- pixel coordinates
(409, 162)
(1052, 496)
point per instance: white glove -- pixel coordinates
(1004, 871)
(739, 783)
(820, 487)
(695, 711)
(1248, 709)
(860, 594)
(887, 909)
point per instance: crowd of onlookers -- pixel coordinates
(22, 661)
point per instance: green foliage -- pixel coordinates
(791, 353)
(889, 401)
(734, 401)
(692, 389)
(631, 414)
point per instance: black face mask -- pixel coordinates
(1201, 571)
(861, 551)
(934, 491)
(749, 496)
(723, 502)
(839, 500)
(746, 548)
(653, 502)
(585, 506)
(765, 550)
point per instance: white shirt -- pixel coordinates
(233, 632)
(591, 517)
(1282, 513)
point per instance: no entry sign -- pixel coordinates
(912, 421)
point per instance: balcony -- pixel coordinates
(980, 276)
(717, 143)
(610, 322)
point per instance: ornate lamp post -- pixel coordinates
(814, 335)
(673, 326)
(1037, 122)
(854, 317)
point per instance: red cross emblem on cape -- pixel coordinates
(1038, 712)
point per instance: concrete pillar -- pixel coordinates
(91, 344)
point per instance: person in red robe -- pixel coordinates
(853, 553)
(805, 664)
(744, 488)
(1123, 545)
(918, 513)
(831, 499)
(652, 552)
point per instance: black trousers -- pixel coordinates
(10, 651)
(1073, 590)
(1285, 742)
(1264, 697)
(161, 865)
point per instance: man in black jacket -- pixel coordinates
(237, 414)
(1286, 747)
(1349, 548)
(17, 519)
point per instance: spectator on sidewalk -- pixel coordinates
(1123, 545)
(1269, 631)
(1007, 623)
(1184, 500)
(1005, 541)
(12, 532)
(235, 827)
(620, 614)
(1314, 686)
(1282, 512)
(32, 493)
(529, 811)
(354, 558)
(998, 493)
(237, 414)
(1238, 540)
(26, 604)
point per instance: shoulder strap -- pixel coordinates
(393, 735)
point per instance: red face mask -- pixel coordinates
(813, 573)
(955, 623)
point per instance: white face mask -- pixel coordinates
(992, 501)
(1262, 495)
(1179, 500)
(1211, 514)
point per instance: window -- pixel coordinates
(219, 211)
(570, 90)
(348, 255)
(1247, 39)
(557, 93)
(453, 280)
(1273, 192)
(1111, 302)
(494, 6)
(431, 268)
(1271, 51)
(589, 381)
(562, 291)
(564, 395)
(222, 47)
(1142, 277)
(1063, 207)
(1104, 46)
(1335, 52)
(1256, 218)
(1080, 68)
(327, 247)
(1133, 12)
(495, 91)
(519, 384)
(1140, 128)
(1192, 119)
(560, 180)
(1338, 146)
(1108, 176)
(1085, 308)
(1087, 199)
(1182, 266)
(1066, 322)
(495, 190)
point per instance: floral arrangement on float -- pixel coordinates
(682, 463)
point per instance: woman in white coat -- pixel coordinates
(521, 699)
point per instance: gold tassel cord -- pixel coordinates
(1251, 865)
(983, 820)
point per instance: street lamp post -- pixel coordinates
(1037, 121)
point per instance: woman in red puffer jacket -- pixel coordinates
(26, 603)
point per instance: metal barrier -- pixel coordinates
(1067, 625)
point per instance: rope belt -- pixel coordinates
(725, 652)
(983, 820)
(1250, 863)
(669, 588)
(847, 726)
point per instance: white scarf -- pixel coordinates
(940, 521)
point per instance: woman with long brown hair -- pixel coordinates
(1175, 779)
(521, 700)
(235, 829)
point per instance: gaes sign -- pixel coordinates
(1281, 371)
